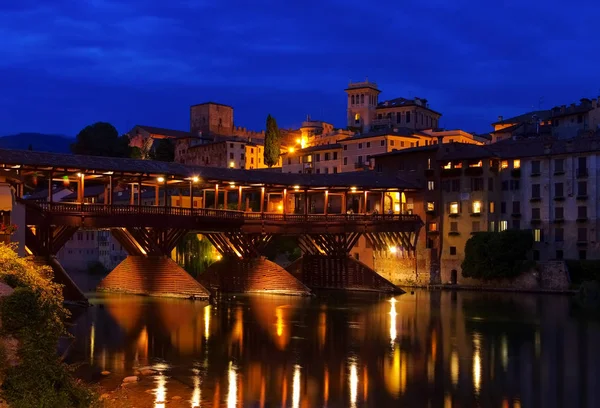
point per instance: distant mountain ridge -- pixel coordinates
(39, 142)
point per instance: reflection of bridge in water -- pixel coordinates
(443, 349)
(328, 214)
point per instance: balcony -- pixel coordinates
(582, 197)
(476, 214)
(559, 220)
(536, 221)
(454, 215)
(516, 173)
(535, 199)
(559, 172)
(451, 172)
(474, 171)
(582, 173)
(516, 215)
(535, 173)
(582, 219)
(559, 198)
(454, 233)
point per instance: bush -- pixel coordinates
(34, 315)
(497, 255)
(583, 270)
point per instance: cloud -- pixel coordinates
(470, 59)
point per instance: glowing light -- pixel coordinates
(454, 367)
(296, 188)
(476, 364)
(280, 207)
(79, 175)
(476, 207)
(219, 257)
(160, 179)
(393, 249)
(504, 351)
(291, 150)
(196, 395)
(326, 386)
(161, 391)
(231, 165)
(232, 393)
(296, 387)
(448, 401)
(231, 184)
(207, 321)
(298, 141)
(430, 370)
(353, 384)
(393, 315)
(353, 189)
(92, 343)
(195, 179)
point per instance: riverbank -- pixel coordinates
(494, 289)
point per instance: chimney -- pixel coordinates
(500, 118)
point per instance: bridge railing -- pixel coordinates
(124, 210)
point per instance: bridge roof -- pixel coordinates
(27, 160)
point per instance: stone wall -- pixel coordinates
(404, 271)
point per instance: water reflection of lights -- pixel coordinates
(279, 314)
(232, 393)
(476, 363)
(326, 386)
(504, 350)
(296, 387)
(322, 329)
(393, 315)
(447, 401)
(454, 367)
(207, 321)
(92, 343)
(538, 343)
(161, 391)
(197, 393)
(353, 383)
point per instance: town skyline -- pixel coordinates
(148, 76)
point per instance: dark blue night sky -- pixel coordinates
(68, 63)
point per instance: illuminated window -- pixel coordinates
(476, 207)
(503, 225)
(430, 185)
(537, 235)
(433, 226)
(478, 164)
(454, 208)
(357, 118)
(430, 206)
(504, 164)
(448, 166)
(517, 164)
(492, 207)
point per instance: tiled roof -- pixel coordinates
(151, 168)
(318, 148)
(401, 132)
(398, 102)
(166, 132)
(525, 117)
(409, 150)
(570, 110)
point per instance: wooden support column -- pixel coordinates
(344, 202)
(203, 198)
(216, 196)
(110, 190)
(225, 196)
(50, 195)
(382, 203)
(305, 202)
(165, 193)
(365, 202)
(81, 188)
(105, 194)
(239, 206)
(262, 199)
(132, 191)
(284, 199)
(326, 201)
(139, 197)
(156, 195)
(359, 204)
(191, 194)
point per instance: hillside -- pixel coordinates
(38, 141)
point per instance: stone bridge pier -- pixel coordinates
(149, 269)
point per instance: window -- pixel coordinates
(382, 143)
(399, 117)
(502, 207)
(335, 170)
(318, 157)
(335, 155)
(368, 144)
(252, 160)
(452, 249)
(318, 171)
(492, 227)
(431, 185)
(504, 164)
(516, 207)
(537, 235)
(345, 147)
(492, 207)
(326, 170)
(352, 99)
(535, 214)
(503, 225)
(407, 117)
(289, 160)
(535, 167)
(535, 191)
(559, 234)
(345, 161)
(559, 253)
(582, 212)
(392, 143)
(430, 206)
(582, 188)
(476, 226)
(559, 165)
(505, 185)
(559, 213)
(362, 98)
(230, 155)
(454, 207)
(558, 190)
(357, 119)
(360, 145)
(516, 164)
(456, 185)
(326, 156)
(515, 185)
(491, 184)
(582, 234)
(231, 145)
(476, 207)
(476, 184)
(433, 226)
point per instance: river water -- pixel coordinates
(427, 349)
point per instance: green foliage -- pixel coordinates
(163, 150)
(97, 268)
(194, 254)
(283, 245)
(34, 315)
(497, 255)
(583, 270)
(272, 143)
(101, 139)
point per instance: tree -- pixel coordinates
(272, 143)
(101, 139)
(497, 255)
(163, 150)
